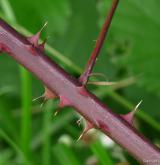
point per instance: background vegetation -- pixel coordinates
(30, 134)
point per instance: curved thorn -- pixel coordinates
(102, 83)
(40, 97)
(137, 106)
(79, 121)
(80, 137)
(42, 104)
(98, 74)
(42, 45)
(88, 126)
(56, 112)
(35, 38)
(48, 94)
(130, 116)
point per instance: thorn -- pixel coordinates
(40, 97)
(56, 112)
(130, 116)
(99, 75)
(81, 136)
(35, 38)
(42, 104)
(63, 102)
(45, 97)
(102, 83)
(136, 107)
(48, 94)
(79, 121)
(82, 90)
(42, 45)
(88, 127)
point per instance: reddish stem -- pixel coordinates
(99, 43)
(69, 90)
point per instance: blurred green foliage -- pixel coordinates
(32, 135)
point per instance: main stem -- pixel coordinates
(99, 43)
(70, 89)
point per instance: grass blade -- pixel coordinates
(46, 150)
(65, 155)
(101, 153)
(59, 122)
(26, 112)
(13, 145)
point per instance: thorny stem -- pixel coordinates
(73, 94)
(99, 43)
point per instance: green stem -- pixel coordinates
(46, 150)
(26, 112)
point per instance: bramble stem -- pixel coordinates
(99, 43)
(68, 88)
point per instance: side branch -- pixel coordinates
(68, 89)
(99, 43)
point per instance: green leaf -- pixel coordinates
(137, 21)
(5, 157)
(78, 41)
(54, 11)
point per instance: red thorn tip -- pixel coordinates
(82, 90)
(64, 101)
(87, 128)
(35, 38)
(130, 116)
(48, 94)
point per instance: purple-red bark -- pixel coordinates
(99, 43)
(72, 93)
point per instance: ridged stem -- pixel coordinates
(70, 89)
